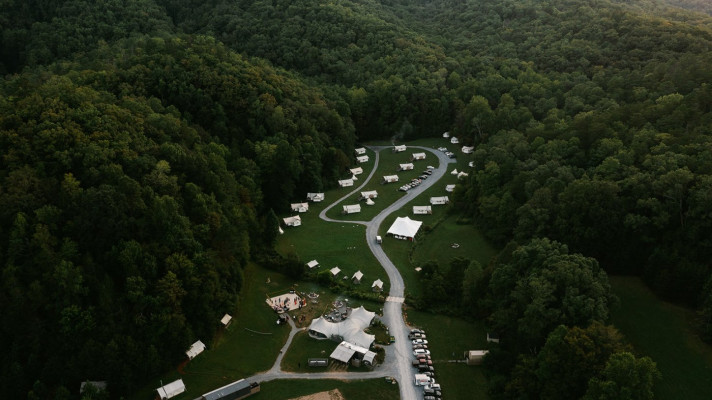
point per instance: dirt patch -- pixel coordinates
(330, 395)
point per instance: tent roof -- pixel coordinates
(352, 208)
(226, 319)
(454, 172)
(356, 171)
(195, 349)
(172, 389)
(404, 226)
(449, 188)
(369, 193)
(407, 165)
(377, 283)
(369, 357)
(312, 263)
(226, 390)
(335, 271)
(419, 155)
(422, 208)
(390, 177)
(370, 202)
(358, 275)
(293, 219)
(342, 353)
(350, 329)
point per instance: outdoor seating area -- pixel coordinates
(286, 302)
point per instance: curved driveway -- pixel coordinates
(398, 355)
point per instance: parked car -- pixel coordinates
(415, 330)
(421, 351)
(417, 346)
(420, 341)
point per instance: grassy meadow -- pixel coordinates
(664, 332)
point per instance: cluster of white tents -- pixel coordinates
(350, 329)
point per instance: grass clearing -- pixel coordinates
(663, 331)
(448, 339)
(368, 389)
(235, 352)
(388, 193)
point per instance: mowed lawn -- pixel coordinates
(388, 193)
(448, 339)
(370, 389)
(663, 331)
(237, 352)
(333, 244)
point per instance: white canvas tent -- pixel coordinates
(449, 188)
(405, 167)
(454, 140)
(345, 351)
(315, 197)
(418, 156)
(390, 178)
(454, 172)
(399, 148)
(422, 210)
(468, 149)
(171, 390)
(462, 175)
(370, 202)
(195, 349)
(346, 182)
(356, 171)
(446, 135)
(377, 285)
(300, 207)
(335, 271)
(439, 200)
(362, 159)
(293, 221)
(357, 277)
(371, 194)
(226, 319)
(360, 150)
(404, 227)
(351, 329)
(352, 209)
(312, 264)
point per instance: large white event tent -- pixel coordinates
(404, 227)
(351, 329)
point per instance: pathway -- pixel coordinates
(398, 355)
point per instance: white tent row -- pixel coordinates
(195, 349)
(422, 209)
(293, 221)
(390, 178)
(300, 207)
(377, 285)
(345, 350)
(370, 194)
(351, 329)
(404, 227)
(171, 390)
(352, 209)
(346, 182)
(439, 200)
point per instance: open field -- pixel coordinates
(236, 352)
(663, 331)
(388, 192)
(371, 389)
(448, 339)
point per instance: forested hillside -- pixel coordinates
(145, 145)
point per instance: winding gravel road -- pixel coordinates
(398, 355)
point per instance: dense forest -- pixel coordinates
(146, 145)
